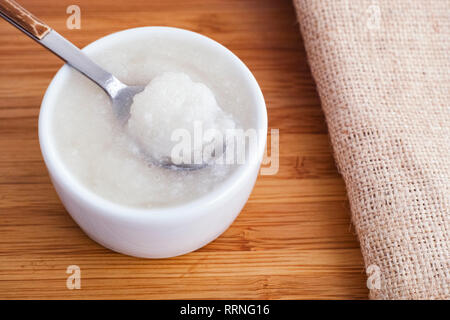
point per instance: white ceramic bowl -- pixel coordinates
(163, 232)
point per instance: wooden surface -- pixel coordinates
(293, 240)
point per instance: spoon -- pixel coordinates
(121, 95)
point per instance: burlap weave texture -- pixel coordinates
(382, 69)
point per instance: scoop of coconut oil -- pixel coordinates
(175, 118)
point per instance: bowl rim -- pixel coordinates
(66, 179)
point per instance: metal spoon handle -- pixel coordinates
(18, 16)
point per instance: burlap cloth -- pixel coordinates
(382, 69)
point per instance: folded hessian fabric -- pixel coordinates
(382, 69)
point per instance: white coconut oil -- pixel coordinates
(185, 83)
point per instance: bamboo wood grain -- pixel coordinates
(293, 240)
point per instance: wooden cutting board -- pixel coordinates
(293, 240)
